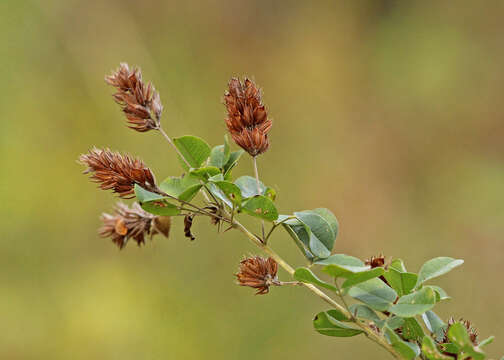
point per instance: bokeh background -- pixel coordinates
(390, 113)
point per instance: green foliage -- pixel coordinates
(261, 207)
(204, 173)
(341, 265)
(407, 350)
(248, 186)
(430, 350)
(219, 156)
(401, 282)
(434, 324)
(194, 149)
(183, 188)
(374, 293)
(414, 304)
(155, 203)
(305, 275)
(437, 267)
(362, 311)
(326, 323)
(457, 333)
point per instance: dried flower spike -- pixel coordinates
(118, 172)
(131, 223)
(376, 261)
(258, 273)
(140, 102)
(247, 119)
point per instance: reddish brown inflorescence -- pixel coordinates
(118, 172)
(258, 273)
(132, 223)
(247, 118)
(140, 102)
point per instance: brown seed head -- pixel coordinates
(376, 261)
(247, 118)
(140, 102)
(258, 273)
(131, 223)
(118, 172)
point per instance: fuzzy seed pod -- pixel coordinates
(247, 118)
(132, 223)
(258, 273)
(140, 102)
(118, 172)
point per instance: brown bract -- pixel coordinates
(247, 118)
(132, 223)
(258, 273)
(118, 172)
(140, 102)
(376, 261)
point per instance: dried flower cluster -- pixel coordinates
(376, 261)
(258, 273)
(140, 102)
(118, 172)
(247, 119)
(132, 223)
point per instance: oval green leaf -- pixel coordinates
(414, 304)
(326, 324)
(261, 207)
(374, 293)
(194, 149)
(430, 350)
(437, 267)
(305, 275)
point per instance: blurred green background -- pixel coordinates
(389, 113)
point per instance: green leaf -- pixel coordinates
(231, 192)
(330, 218)
(394, 322)
(261, 207)
(322, 236)
(219, 156)
(401, 282)
(406, 349)
(450, 348)
(364, 312)
(437, 267)
(457, 333)
(487, 341)
(155, 203)
(194, 149)
(248, 186)
(341, 265)
(430, 350)
(231, 163)
(218, 177)
(183, 188)
(440, 293)
(204, 173)
(414, 304)
(143, 195)
(305, 275)
(326, 324)
(434, 324)
(162, 208)
(412, 330)
(362, 276)
(397, 264)
(374, 293)
(300, 233)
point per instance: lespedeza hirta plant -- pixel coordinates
(377, 298)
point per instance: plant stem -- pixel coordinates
(370, 333)
(256, 172)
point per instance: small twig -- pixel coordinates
(259, 192)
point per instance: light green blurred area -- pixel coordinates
(389, 113)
